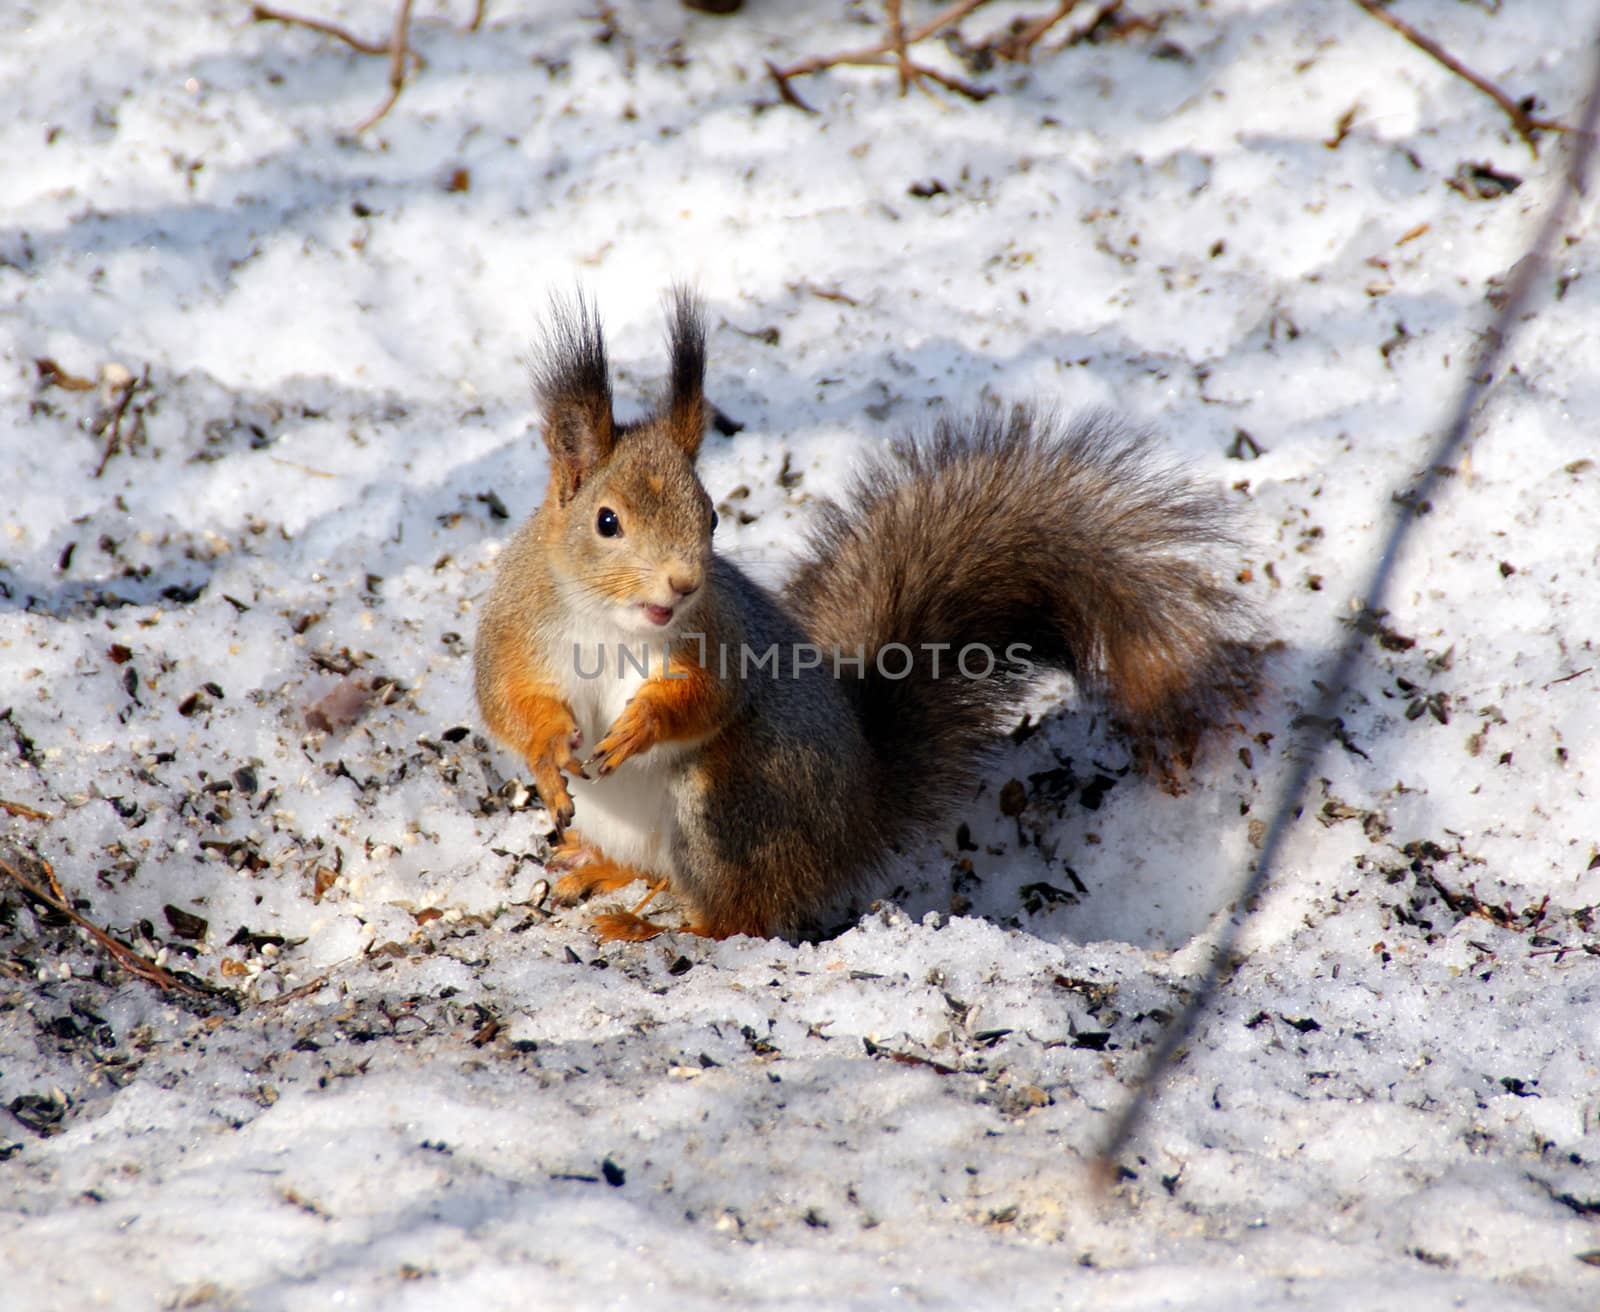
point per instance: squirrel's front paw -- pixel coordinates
(558, 759)
(633, 732)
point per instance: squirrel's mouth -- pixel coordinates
(658, 615)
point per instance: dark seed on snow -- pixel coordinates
(41, 1113)
(63, 1027)
(185, 924)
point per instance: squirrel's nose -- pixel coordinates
(683, 585)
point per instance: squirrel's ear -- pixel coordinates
(686, 346)
(573, 383)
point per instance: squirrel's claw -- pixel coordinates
(552, 790)
(629, 736)
(549, 771)
(606, 759)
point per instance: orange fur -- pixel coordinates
(747, 922)
(527, 714)
(591, 872)
(625, 927)
(601, 875)
(629, 927)
(686, 704)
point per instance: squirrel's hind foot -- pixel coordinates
(590, 873)
(571, 852)
(625, 927)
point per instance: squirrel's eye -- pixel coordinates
(608, 525)
(713, 521)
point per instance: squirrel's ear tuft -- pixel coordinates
(573, 383)
(686, 345)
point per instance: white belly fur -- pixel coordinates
(628, 815)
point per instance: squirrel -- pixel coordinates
(633, 667)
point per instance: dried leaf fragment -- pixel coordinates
(340, 708)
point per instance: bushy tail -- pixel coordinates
(1071, 541)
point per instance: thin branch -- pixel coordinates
(897, 43)
(1568, 678)
(971, 90)
(892, 50)
(125, 392)
(1018, 45)
(1525, 123)
(1107, 26)
(1480, 373)
(398, 49)
(267, 14)
(303, 991)
(954, 14)
(818, 63)
(787, 93)
(131, 961)
(478, 11)
(946, 80)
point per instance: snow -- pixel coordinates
(437, 1092)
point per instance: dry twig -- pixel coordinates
(1568, 678)
(53, 375)
(267, 14)
(123, 392)
(897, 43)
(397, 47)
(1520, 114)
(1017, 45)
(301, 991)
(51, 895)
(892, 50)
(943, 19)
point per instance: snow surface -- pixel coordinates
(439, 1093)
